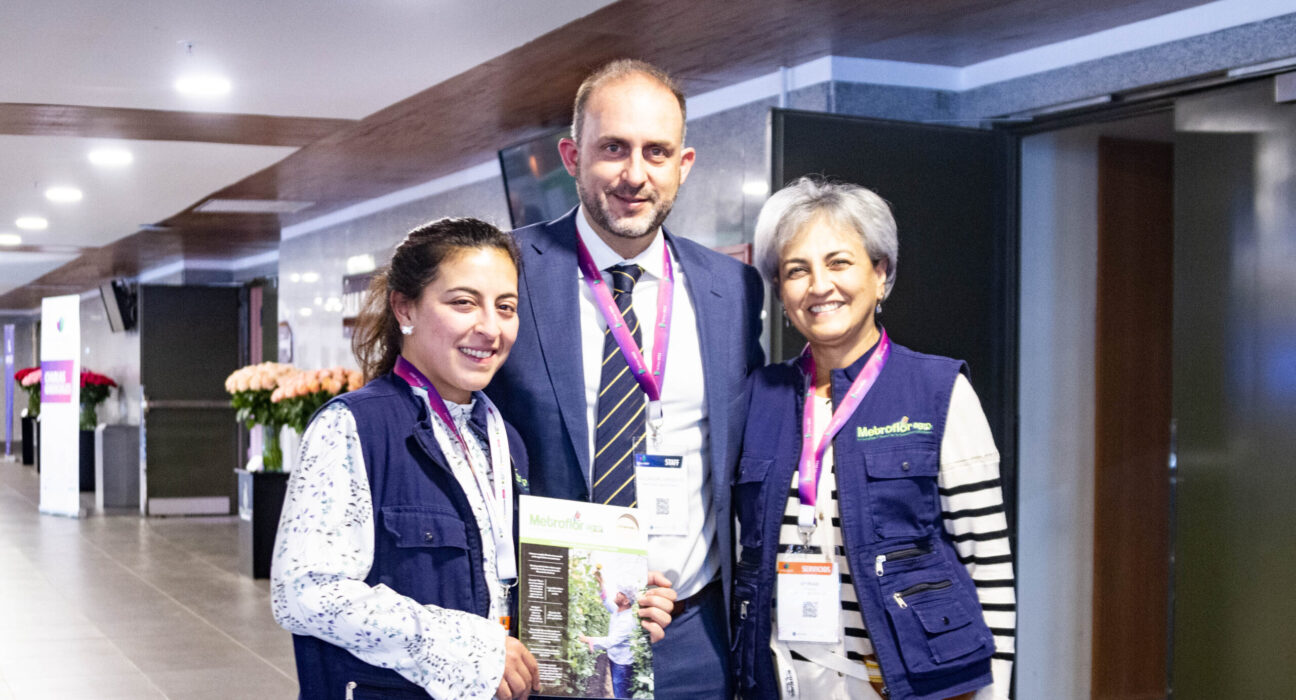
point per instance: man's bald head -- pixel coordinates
(615, 72)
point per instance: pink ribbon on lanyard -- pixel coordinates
(500, 512)
(810, 466)
(650, 382)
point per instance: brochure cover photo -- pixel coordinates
(583, 568)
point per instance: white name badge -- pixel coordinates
(662, 492)
(809, 601)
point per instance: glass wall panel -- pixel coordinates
(1235, 395)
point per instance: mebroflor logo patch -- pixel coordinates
(901, 427)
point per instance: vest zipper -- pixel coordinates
(350, 690)
(898, 555)
(899, 596)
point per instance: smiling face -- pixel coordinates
(830, 287)
(465, 321)
(630, 160)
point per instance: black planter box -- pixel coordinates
(29, 440)
(87, 465)
(260, 500)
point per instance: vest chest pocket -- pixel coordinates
(428, 556)
(414, 526)
(748, 499)
(902, 489)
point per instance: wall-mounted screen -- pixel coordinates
(536, 183)
(119, 305)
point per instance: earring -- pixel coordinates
(878, 309)
(407, 330)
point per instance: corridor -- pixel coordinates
(119, 606)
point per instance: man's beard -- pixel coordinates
(622, 228)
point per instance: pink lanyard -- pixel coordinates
(650, 382)
(499, 496)
(810, 466)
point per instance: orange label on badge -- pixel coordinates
(507, 621)
(805, 567)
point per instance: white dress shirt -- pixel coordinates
(692, 560)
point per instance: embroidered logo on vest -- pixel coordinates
(896, 429)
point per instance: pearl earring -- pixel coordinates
(407, 330)
(878, 309)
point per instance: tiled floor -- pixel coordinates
(119, 606)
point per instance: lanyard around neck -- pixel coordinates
(498, 496)
(810, 466)
(650, 382)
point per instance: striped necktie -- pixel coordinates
(619, 422)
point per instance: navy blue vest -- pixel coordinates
(887, 458)
(427, 545)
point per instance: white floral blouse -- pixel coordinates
(325, 551)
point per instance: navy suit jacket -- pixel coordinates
(541, 388)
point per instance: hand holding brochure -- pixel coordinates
(583, 567)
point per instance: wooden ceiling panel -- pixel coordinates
(527, 91)
(157, 125)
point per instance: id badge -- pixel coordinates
(662, 492)
(809, 600)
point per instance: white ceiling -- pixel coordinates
(303, 58)
(28, 266)
(166, 177)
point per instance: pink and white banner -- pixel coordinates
(60, 443)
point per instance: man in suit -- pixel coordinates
(568, 386)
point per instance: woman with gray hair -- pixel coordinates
(884, 570)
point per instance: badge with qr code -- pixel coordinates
(661, 488)
(809, 599)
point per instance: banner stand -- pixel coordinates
(60, 444)
(9, 391)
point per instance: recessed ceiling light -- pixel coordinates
(63, 195)
(310, 277)
(31, 223)
(111, 157)
(755, 188)
(10, 239)
(203, 85)
(304, 311)
(294, 277)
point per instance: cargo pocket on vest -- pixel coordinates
(742, 651)
(431, 561)
(902, 489)
(749, 499)
(935, 630)
(412, 526)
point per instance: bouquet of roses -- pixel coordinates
(94, 391)
(29, 378)
(250, 389)
(300, 395)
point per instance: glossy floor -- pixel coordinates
(119, 606)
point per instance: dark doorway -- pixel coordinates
(189, 344)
